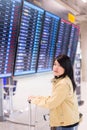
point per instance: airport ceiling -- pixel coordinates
(62, 7)
(77, 7)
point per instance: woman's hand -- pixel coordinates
(30, 98)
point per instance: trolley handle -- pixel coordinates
(29, 101)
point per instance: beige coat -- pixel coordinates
(62, 103)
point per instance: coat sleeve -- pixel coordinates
(58, 96)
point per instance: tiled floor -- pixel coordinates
(38, 84)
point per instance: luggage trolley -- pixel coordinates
(32, 126)
(35, 124)
(9, 90)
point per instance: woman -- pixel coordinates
(63, 105)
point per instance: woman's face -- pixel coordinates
(57, 69)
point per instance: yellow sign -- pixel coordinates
(71, 18)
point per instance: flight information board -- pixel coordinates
(29, 39)
(67, 32)
(63, 37)
(73, 42)
(48, 41)
(9, 16)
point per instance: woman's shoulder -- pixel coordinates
(65, 79)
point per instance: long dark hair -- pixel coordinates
(65, 62)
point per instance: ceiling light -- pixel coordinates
(84, 1)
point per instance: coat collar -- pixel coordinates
(54, 80)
